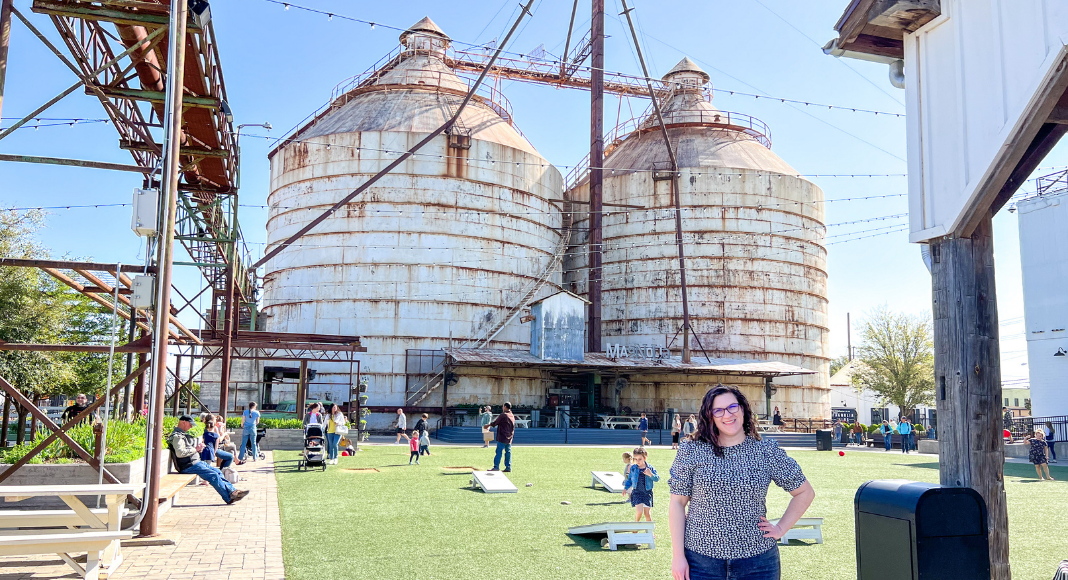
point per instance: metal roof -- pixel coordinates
(687, 65)
(600, 360)
(424, 25)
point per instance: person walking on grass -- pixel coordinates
(689, 428)
(505, 424)
(485, 419)
(719, 483)
(402, 426)
(424, 442)
(676, 429)
(250, 418)
(639, 481)
(905, 429)
(1038, 454)
(643, 426)
(413, 446)
(888, 435)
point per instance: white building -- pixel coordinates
(1044, 262)
(845, 394)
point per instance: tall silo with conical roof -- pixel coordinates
(753, 230)
(435, 253)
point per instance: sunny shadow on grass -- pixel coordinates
(424, 522)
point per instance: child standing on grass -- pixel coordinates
(1038, 454)
(640, 479)
(424, 443)
(413, 445)
(627, 459)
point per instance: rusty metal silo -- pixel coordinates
(754, 240)
(443, 248)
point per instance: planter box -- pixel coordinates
(283, 439)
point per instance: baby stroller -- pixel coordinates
(314, 447)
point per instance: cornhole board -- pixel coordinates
(618, 533)
(609, 480)
(804, 529)
(492, 482)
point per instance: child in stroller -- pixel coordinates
(314, 447)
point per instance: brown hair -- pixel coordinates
(425, 416)
(706, 424)
(639, 451)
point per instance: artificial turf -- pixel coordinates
(425, 522)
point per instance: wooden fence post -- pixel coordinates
(968, 378)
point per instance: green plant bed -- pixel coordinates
(234, 423)
(365, 524)
(125, 443)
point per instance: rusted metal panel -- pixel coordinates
(600, 360)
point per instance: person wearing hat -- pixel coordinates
(187, 448)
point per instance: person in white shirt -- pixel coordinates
(402, 426)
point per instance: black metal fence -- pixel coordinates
(1021, 427)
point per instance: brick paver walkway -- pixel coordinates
(214, 540)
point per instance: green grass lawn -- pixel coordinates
(424, 522)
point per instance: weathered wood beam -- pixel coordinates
(876, 45)
(1048, 136)
(904, 15)
(968, 378)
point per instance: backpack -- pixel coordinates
(230, 474)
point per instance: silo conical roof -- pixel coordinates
(425, 25)
(687, 65)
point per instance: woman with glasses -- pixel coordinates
(719, 481)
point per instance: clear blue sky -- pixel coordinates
(281, 64)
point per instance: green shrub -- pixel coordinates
(873, 429)
(125, 443)
(234, 424)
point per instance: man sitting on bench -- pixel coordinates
(187, 448)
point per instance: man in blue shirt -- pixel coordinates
(905, 429)
(643, 426)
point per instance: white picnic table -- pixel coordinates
(611, 421)
(115, 497)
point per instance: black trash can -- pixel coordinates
(908, 530)
(824, 438)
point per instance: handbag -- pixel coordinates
(340, 428)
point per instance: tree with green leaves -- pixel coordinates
(897, 350)
(837, 363)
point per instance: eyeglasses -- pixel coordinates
(733, 409)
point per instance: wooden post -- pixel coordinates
(593, 331)
(302, 389)
(33, 420)
(968, 378)
(5, 422)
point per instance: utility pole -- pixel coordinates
(596, 173)
(849, 338)
(172, 139)
(968, 378)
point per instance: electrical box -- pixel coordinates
(144, 291)
(145, 204)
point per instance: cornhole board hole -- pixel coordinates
(609, 480)
(492, 482)
(618, 533)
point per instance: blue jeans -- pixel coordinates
(506, 448)
(888, 441)
(213, 476)
(906, 442)
(1052, 451)
(332, 439)
(248, 437)
(760, 567)
(226, 457)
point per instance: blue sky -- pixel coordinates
(281, 64)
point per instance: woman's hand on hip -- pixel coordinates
(680, 568)
(770, 530)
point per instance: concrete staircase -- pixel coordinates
(541, 436)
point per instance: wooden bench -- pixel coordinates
(804, 529)
(94, 543)
(171, 484)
